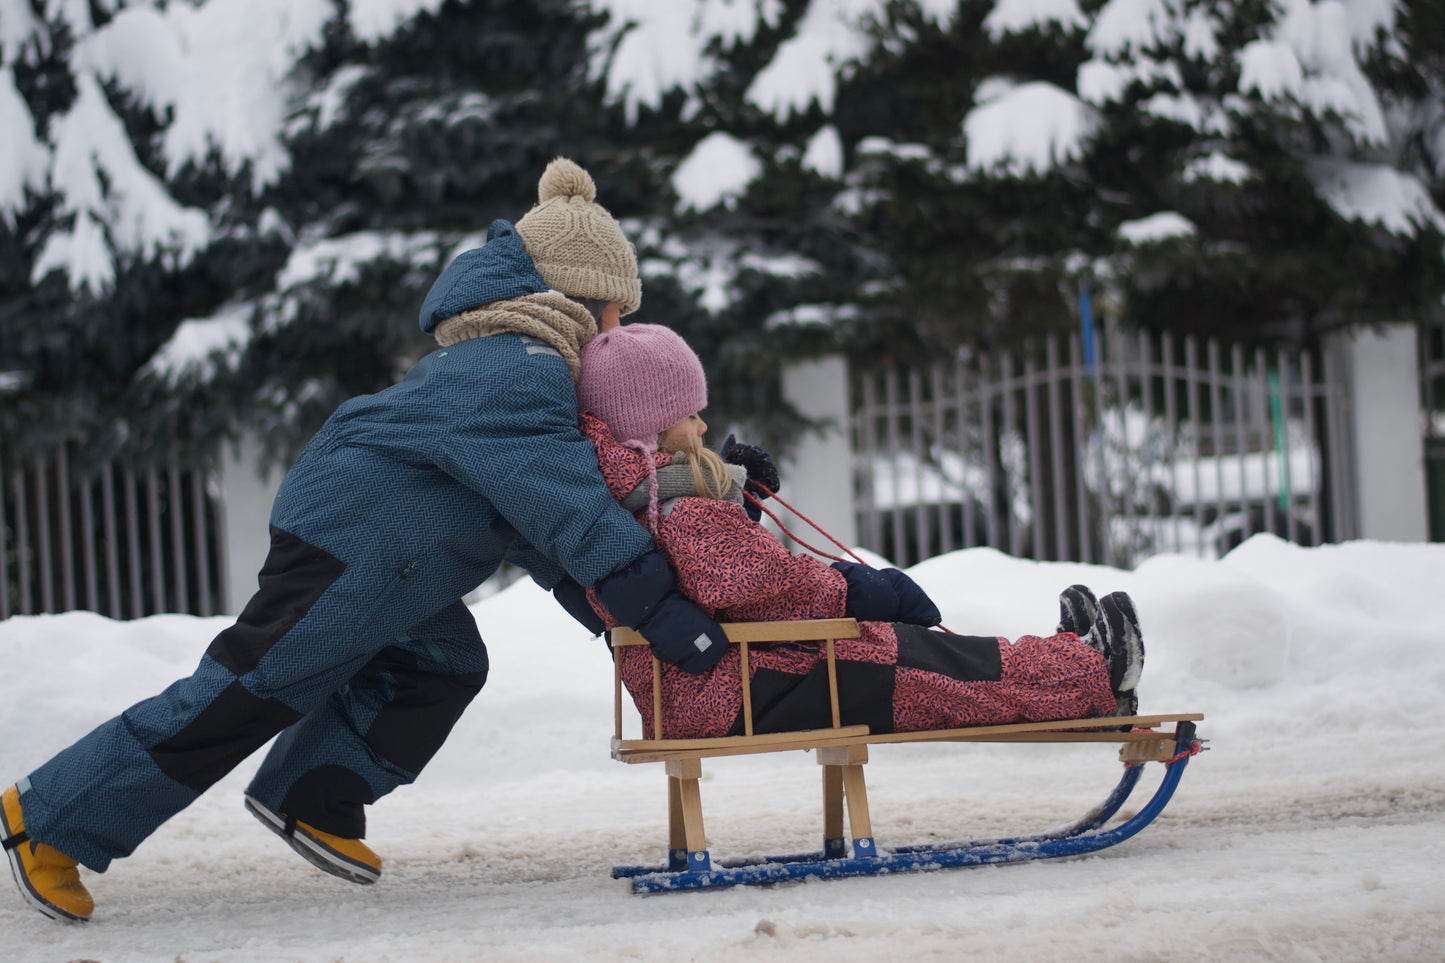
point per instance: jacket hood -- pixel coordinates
(498, 271)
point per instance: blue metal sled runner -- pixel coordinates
(842, 751)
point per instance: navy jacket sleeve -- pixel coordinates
(519, 445)
(543, 570)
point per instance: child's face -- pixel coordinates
(686, 435)
(611, 316)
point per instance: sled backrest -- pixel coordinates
(824, 632)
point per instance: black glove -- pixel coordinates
(914, 605)
(644, 596)
(573, 598)
(762, 473)
(886, 595)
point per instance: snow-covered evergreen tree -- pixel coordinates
(727, 109)
(1246, 170)
(1294, 206)
(138, 137)
(407, 145)
(223, 212)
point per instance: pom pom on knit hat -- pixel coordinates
(565, 179)
(641, 379)
(578, 247)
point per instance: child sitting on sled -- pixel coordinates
(641, 389)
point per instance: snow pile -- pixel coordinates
(1019, 16)
(1156, 227)
(1026, 129)
(200, 345)
(718, 171)
(646, 49)
(1377, 194)
(1312, 829)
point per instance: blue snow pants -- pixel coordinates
(360, 675)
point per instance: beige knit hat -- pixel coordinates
(577, 246)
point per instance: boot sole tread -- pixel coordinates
(313, 850)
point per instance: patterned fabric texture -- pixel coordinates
(893, 678)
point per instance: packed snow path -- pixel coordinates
(1313, 828)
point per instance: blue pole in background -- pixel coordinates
(1086, 318)
(1281, 441)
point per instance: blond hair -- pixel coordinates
(710, 473)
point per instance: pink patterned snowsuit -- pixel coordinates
(896, 677)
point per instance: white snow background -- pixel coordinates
(1313, 828)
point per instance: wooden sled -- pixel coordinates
(842, 751)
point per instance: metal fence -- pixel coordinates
(1108, 452)
(1432, 400)
(114, 541)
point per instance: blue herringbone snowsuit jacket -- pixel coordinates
(357, 648)
(440, 474)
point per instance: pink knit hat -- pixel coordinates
(641, 379)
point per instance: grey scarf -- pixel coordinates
(676, 481)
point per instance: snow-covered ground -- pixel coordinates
(1313, 829)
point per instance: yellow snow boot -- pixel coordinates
(48, 879)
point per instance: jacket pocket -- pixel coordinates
(403, 573)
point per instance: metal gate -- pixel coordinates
(1432, 396)
(1108, 452)
(115, 541)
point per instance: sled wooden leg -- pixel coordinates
(676, 835)
(684, 823)
(848, 762)
(833, 845)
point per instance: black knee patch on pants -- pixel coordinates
(294, 576)
(967, 658)
(785, 702)
(233, 726)
(412, 726)
(331, 799)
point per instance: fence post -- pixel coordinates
(245, 510)
(1381, 376)
(818, 478)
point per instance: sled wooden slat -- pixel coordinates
(803, 630)
(1067, 730)
(657, 750)
(1141, 731)
(748, 690)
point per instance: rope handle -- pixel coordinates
(1194, 748)
(772, 494)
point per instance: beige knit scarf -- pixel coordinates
(550, 317)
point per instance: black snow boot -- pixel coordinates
(1077, 610)
(1118, 623)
